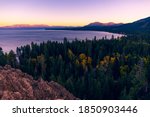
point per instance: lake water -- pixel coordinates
(10, 39)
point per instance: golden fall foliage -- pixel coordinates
(107, 60)
(82, 59)
(85, 60)
(82, 56)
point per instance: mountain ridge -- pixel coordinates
(141, 26)
(103, 24)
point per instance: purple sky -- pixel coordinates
(71, 12)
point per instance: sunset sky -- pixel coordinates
(71, 12)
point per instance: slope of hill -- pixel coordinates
(103, 24)
(14, 84)
(138, 27)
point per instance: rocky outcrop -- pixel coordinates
(16, 85)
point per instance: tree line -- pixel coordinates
(90, 69)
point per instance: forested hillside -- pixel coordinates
(91, 69)
(141, 26)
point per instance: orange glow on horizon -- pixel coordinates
(49, 24)
(66, 23)
(71, 12)
(62, 23)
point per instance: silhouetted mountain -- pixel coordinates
(139, 27)
(102, 24)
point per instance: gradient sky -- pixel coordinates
(71, 12)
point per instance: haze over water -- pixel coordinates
(11, 39)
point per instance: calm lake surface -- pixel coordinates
(10, 39)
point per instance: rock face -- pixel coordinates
(16, 85)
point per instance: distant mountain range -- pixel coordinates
(40, 26)
(141, 26)
(138, 27)
(25, 26)
(103, 24)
